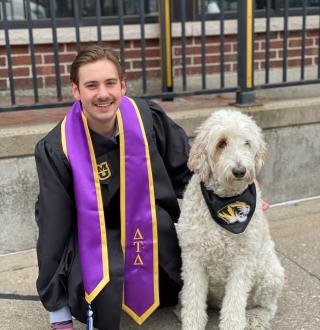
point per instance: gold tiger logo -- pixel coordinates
(234, 212)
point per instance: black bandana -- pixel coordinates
(231, 213)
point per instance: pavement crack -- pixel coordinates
(298, 265)
(15, 296)
(14, 269)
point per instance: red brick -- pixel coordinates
(149, 43)
(20, 49)
(47, 48)
(178, 61)
(208, 59)
(26, 83)
(213, 40)
(230, 58)
(25, 60)
(216, 49)
(52, 81)
(311, 51)
(3, 61)
(48, 70)
(127, 65)
(297, 62)
(274, 44)
(262, 55)
(231, 38)
(149, 64)
(209, 40)
(133, 75)
(133, 54)
(313, 33)
(294, 34)
(3, 50)
(3, 73)
(297, 52)
(70, 48)
(178, 41)
(137, 53)
(3, 84)
(274, 64)
(63, 58)
(21, 72)
(262, 36)
(192, 50)
(298, 42)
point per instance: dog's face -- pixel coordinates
(228, 151)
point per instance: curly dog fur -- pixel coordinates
(241, 274)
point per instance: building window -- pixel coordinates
(40, 10)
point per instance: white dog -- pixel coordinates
(228, 260)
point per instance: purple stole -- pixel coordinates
(139, 236)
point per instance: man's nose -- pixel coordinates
(103, 92)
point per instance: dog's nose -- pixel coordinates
(239, 172)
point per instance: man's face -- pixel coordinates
(100, 91)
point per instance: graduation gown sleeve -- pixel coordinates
(173, 146)
(55, 214)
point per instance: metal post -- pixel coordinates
(245, 94)
(165, 48)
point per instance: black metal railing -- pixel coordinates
(244, 85)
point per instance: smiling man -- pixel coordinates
(110, 174)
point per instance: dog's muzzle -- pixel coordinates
(239, 172)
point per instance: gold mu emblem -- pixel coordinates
(104, 171)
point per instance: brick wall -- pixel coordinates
(22, 71)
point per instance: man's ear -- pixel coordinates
(75, 91)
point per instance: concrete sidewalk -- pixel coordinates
(295, 229)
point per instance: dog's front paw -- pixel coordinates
(193, 320)
(229, 323)
(258, 319)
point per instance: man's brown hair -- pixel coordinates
(92, 54)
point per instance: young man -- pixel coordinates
(110, 174)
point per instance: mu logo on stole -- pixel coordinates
(104, 171)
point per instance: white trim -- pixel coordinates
(295, 201)
(132, 32)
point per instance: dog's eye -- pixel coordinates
(247, 143)
(222, 144)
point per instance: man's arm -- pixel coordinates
(173, 146)
(55, 216)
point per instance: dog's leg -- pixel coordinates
(194, 293)
(265, 295)
(233, 311)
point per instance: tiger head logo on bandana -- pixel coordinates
(231, 213)
(234, 212)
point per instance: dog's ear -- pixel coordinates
(260, 156)
(198, 160)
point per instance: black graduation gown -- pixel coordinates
(59, 282)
